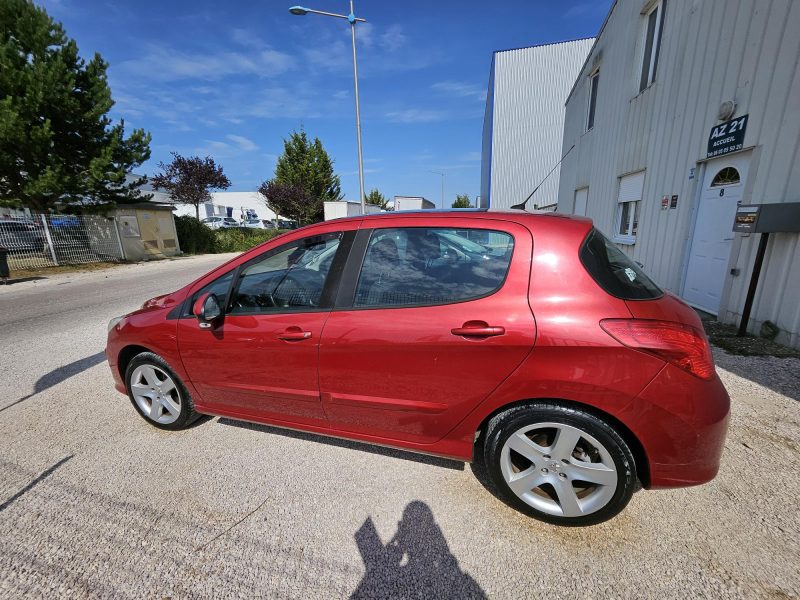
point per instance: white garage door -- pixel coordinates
(711, 242)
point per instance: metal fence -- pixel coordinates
(37, 241)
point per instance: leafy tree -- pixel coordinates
(378, 199)
(307, 165)
(189, 180)
(462, 201)
(286, 199)
(57, 143)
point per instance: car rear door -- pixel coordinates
(425, 327)
(260, 361)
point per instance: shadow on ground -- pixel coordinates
(60, 375)
(36, 481)
(435, 461)
(22, 280)
(416, 563)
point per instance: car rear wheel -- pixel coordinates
(557, 464)
(157, 393)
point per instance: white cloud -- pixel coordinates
(460, 89)
(242, 142)
(162, 63)
(415, 115)
(393, 38)
(341, 94)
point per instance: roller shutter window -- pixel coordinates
(628, 202)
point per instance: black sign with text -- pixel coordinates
(727, 137)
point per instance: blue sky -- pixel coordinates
(231, 79)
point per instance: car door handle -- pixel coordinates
(478, 329)
(294, 334)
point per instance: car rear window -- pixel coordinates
(613, 271)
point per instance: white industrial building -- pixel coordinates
(230, 204)
(411, 203)
(683, 111)
(524, 121)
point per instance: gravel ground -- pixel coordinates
(95, 503)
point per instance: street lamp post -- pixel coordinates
(442, 174)
(352, 19)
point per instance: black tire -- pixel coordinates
(503, 425)
(187, 415)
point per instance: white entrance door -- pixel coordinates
(711, 242)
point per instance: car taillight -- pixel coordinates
(682, 345)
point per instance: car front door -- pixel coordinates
(260, 362)
(429, 320)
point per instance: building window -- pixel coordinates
(726, 176)
(652, 44)
(628, 202)
(594, 80)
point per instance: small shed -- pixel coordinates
(147, 231)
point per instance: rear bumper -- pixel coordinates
(682, 422)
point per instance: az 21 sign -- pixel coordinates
(727, 137)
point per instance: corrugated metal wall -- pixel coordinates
(712, 51)
(527, 120)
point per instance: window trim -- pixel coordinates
(591, 110)
(655, 50)
(332, 282)
(627, 238)
(329, 287)
(345, 300)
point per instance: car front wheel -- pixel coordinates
(559, 465)
(157, 393)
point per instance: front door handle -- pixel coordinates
(478, 329)
(294, 334)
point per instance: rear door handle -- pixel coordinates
(478, 329)
(294, 334)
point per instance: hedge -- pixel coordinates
(196, 238)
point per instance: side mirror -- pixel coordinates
(207, 309)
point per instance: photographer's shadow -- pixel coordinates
(416, 563)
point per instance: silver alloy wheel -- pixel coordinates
(558, 469)
(156, 394)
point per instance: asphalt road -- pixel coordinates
(95, 503)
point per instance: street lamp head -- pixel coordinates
(298, 10)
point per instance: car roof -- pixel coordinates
(514, 215)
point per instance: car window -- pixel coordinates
(613, 271)
(290, 277)
(218, 287)
(419, 266)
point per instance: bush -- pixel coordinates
(241, 239)
(196, 238)
(193, 236)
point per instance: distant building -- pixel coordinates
(524, 121)
(337, 209)
(682, 112)
(238, 205)
(412, 203)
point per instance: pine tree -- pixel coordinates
(57, 143)
(378, 199)
(307, 165)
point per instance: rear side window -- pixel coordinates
(614, 271)
(422, 266)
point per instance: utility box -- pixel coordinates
(147, 231)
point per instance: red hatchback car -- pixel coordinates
(527, 342)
